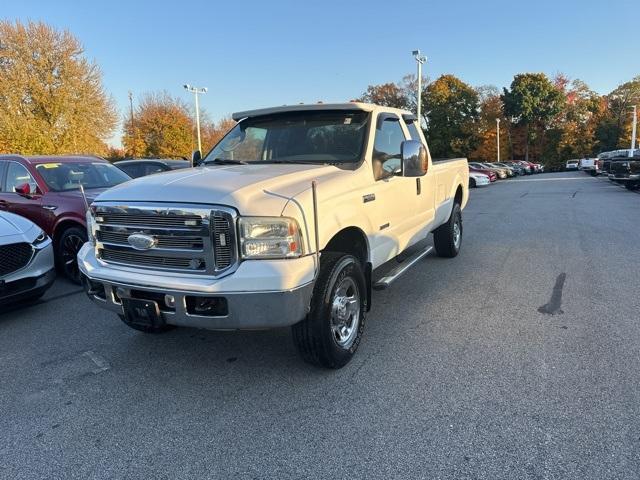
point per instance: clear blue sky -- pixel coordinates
(260, 53)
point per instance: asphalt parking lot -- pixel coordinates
(520, 358)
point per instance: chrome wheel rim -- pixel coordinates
(457, 233)
(345, 313)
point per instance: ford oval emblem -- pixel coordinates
(140, 241)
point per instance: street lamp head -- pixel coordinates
(204, 90)
(415, 52)
(186, 86)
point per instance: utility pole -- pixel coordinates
(633, 131)
(498, 137)
(196, 91)
(420, 59)
(133, 127)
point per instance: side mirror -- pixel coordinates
(23, 190)
(414, 158)
(196, 158)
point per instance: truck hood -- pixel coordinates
(239, 186)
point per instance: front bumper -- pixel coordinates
(34, 278)
(259, 294)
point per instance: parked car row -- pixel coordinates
(625, 170)
(500, 171)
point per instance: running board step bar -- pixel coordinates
(402, 268)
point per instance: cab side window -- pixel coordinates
(413, 131)
(18, 175)
(386, 148)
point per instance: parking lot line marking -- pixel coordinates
(100, 362)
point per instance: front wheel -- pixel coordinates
(331, 332)
(472, 183)
(447, 238)
(68, 246)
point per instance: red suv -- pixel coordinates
(46, 191)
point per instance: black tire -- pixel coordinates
(447, 238)
(146, 328)
(317, 337)
(67, 247)
(472, 183)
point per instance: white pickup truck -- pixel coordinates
(283, 223)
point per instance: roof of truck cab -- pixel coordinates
(365, 107)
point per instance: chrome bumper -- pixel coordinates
(245, 310)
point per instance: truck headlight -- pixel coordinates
(269, 237)
(91, 227)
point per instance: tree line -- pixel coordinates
(544, 119)
(52, 101)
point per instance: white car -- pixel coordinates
(572, 164)
(477, 179)
(26, 259)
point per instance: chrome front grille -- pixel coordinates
(187, 242)
(197, 239)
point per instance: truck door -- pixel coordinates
(426, 197)
(392, 201)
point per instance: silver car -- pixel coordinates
(26, 259)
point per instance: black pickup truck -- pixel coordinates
(626, 170)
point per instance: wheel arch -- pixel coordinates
(353, 241)
(62, 225)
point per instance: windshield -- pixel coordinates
(297, 137)
(61, 177)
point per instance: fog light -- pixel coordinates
(207, 306)
(170, 301)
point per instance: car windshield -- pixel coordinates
(61, 177)
(295, 137)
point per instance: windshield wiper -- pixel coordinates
(225, 161)
(295, 162)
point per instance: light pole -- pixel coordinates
(420, 59)
(133, 127)
(196, 91)
(633, 131)
(498, 137)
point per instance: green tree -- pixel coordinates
(452, 108)
(614, 127)
(162, 127)
(532, 102)
(51, 97)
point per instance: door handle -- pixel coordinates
(418, 187)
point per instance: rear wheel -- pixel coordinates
(630, 186)
(330, 334)
(447, 238)
(472, 183)
(67, 248)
